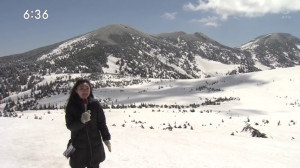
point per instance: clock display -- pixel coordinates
(35, 14)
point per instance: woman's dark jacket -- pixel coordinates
(86, 138)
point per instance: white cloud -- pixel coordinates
(208, 21)
(170, 16)
(244, 8)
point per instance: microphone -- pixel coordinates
(86, 115)
(85, 102)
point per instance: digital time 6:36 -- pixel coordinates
(35, 14)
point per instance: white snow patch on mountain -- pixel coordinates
(112, 67)
(60, 48)
(214, 68)
(257, 64)
(250, 45)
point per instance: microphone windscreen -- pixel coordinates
(85, 101)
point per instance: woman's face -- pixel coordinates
(83, 90)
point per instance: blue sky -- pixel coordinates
(230, 22)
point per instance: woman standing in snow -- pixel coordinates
(86, 121)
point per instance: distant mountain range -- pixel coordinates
(167, 55)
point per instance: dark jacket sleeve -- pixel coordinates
(73, 123)
(102, 124)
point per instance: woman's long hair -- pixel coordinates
(74, 96)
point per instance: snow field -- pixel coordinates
(32, 142)
(268, 101)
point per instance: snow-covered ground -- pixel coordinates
(209, 137)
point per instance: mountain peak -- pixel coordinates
(115, 28)
(272, 38)
(275, 37)
(105, 33)
(275, 49)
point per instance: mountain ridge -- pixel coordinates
(174, 55)
(159, 34)
(275, 49)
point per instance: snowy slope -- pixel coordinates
(213, 137)
(274, 50)
(59, 51)
(214, 68)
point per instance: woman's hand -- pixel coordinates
(86, 116)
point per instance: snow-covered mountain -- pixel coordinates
(274, 50)
(131, 52)
(120, 49)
